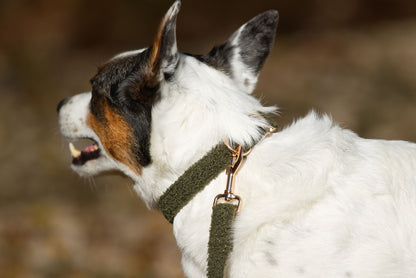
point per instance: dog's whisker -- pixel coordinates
(92, 184)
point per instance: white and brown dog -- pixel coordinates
(319, 201)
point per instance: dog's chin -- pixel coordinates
(94, 167)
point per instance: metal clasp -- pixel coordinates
(238, 156)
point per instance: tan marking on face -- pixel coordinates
(154, 58)
(116, 136)
(155, 55)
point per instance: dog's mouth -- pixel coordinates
(90, 151)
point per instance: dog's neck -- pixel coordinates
(194, 115)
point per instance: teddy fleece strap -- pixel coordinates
(197, 177)
(220, 238)
(194, 180)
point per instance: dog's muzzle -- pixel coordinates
(73, 112)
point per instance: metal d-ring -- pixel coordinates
(232, 150)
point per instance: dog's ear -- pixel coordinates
(244, 53)
(252, 43)
(164, 52)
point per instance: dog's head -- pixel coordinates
(131, 89)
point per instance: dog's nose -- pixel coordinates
(62, 103)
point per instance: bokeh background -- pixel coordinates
(353, 59)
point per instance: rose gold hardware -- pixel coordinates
(270, 129)
(228, 195)
(234, 151)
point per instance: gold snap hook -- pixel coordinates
(232, 150)
(228, 195)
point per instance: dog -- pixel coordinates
(318, 201)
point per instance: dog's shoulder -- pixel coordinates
(315, 146)
(317, 134)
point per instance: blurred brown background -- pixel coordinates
(353, 59)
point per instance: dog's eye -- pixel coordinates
(133, 93)
(113, 90)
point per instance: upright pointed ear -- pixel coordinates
(242, 56)
(164, 52)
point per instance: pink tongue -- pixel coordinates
(90, 148)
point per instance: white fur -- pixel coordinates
(128, 53)
(318, 201)
(246, 78)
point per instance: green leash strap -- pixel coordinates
(194, 180)
(221, 239)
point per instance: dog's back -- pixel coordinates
(323, 202)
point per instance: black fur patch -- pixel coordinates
(256, 39)
(219, 58)
(111, 74)
(124, 84)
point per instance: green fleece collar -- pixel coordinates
(194, 180)
(197, 177)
